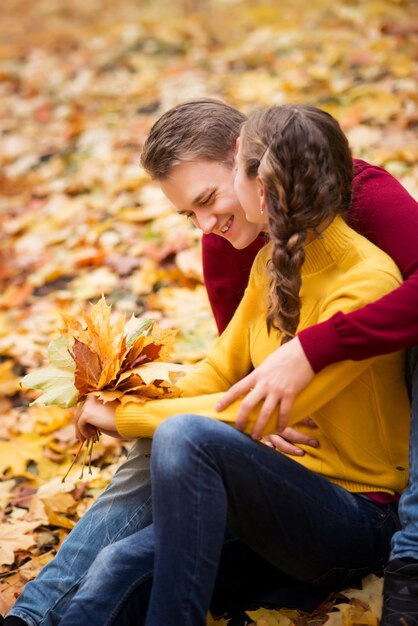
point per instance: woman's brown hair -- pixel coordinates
(305, 163)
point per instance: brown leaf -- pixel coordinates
(88, 368)
(9, 590)
(56, 519)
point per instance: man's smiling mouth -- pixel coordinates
(227, 226)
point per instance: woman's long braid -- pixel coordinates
(306, 167)
(287, 238)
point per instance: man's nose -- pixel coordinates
(206, 222)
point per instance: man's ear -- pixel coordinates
(238, 141)
(261, 192)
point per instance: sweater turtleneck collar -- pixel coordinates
(327, 247)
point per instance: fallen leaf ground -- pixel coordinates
(80, 85)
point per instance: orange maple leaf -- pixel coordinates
(88, 368)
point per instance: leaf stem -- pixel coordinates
(86, 451)
(74, 460)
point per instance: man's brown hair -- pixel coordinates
(204, 128)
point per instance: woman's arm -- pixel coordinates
(232, 349)
(141, 420)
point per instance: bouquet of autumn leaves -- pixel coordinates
(121, 361)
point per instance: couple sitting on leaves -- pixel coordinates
(237, 523)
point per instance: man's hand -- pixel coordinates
(278, 380)
(92, 415)
(289, 438)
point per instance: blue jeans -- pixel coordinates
(122, 509)
(405, 542)
(207, 477)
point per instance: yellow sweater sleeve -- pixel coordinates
(141, 420)
(228, 361)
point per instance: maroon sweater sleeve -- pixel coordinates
(384, 212)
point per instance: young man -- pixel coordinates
(190, 152)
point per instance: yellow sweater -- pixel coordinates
(361, 408)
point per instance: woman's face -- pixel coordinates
(204, 192)
(250, 192)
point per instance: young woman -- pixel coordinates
(322, 520)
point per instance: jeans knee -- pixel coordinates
(176, 440)
(177, 428)
(101, 568)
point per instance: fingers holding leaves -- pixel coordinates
(87, 444)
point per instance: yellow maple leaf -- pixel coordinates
(102, 343)
(352, 615)
(9, 382)
(107, 396)
(131, 397)
(14, 537)
(25, 448)
(166, 337)
(156, 370)
(267, 617)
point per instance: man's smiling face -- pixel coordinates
(204, 192)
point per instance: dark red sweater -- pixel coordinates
(384, 212)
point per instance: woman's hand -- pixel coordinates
(277, 381)
(92, 415)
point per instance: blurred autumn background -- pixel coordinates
(81, 82)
